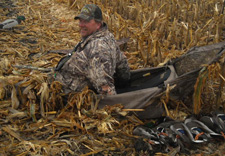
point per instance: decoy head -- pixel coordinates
(21, 18)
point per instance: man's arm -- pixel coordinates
(101, 66)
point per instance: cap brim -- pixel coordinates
(82, 16)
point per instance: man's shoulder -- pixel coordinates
(103, 37)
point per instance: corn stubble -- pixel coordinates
(36, 120)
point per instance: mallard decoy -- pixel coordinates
(182, 135)
(167, 135)
(163, 130)
(220, 114)
(155, 143)
(147, 133)
(213, 123)
(199, 130)
(218, 117)
(222, 117)
(183, 131)
(205, 128)
(10, 23)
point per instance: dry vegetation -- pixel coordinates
(33, 119)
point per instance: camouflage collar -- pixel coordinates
(101, 32)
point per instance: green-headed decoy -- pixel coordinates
(10, 23)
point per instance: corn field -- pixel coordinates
(33, 119)
(162, 29)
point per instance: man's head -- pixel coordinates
(90, 11)
(90, 19)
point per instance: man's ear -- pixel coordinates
(99, 25)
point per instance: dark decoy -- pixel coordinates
(155, 143)
(163, 130)
(220, 114)
(199, 130)
(214, 123)
(183, 136)
(183, 131)
(167, 135)
(219, 118)
(147, 133)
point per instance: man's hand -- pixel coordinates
(106, 90)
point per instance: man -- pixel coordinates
(96, 58)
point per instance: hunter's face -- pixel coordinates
(88, 27)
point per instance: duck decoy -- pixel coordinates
(219, 118)
(199, 130)
(155, 143)
(10, 23)
(163, 130)
(147, 133)
(168, 137)
(220, 114)
(184, 133)
(213, 123)
(222, 117)
(204, 127)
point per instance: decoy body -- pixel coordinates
(156, 143)
(183, 131)
(199, 130)
(10, 23)
(220, 115)
(166, 134)
(214, 123)
(184, 137)
(146, 133)
(164, 129)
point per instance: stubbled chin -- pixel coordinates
(83, 33)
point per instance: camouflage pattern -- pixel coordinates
(94, 63)
(90, 11)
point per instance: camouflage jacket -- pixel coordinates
(94, 63)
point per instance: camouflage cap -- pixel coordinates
(90, 11)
